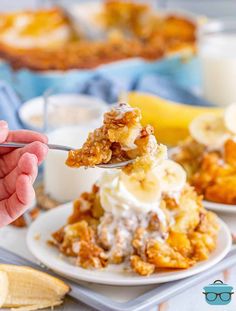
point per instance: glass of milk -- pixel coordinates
(217, 54)
(61, 182)
(70, 118)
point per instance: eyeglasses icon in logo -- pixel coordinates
(218, 293)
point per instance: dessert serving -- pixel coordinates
(49, 40)
(142, 218)
(209, 156)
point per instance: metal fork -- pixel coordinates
(67, 148)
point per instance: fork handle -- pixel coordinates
(20, 145)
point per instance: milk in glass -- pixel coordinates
(61, 182)
(217, 54)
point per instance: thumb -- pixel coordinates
(3, 131)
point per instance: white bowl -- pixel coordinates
(33, 109)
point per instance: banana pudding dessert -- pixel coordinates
(144, 217)
(209, 156)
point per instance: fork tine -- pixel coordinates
(115, 165)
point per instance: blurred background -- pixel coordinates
(213, 8)
(180, 51)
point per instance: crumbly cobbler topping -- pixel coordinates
(120, 138)
(212, 173)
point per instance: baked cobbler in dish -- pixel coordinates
(209, 156)
(47, 40)
(43, 29)
(144, 217)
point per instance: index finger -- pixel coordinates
(26, 136)
(23, 136)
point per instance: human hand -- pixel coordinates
(18, 171)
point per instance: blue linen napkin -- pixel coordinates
(9, 105)
(107, 88)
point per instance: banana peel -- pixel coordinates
(170, 120)
(24, 288)
(4, 285)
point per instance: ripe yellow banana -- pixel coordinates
(28, 289)
(169, 119)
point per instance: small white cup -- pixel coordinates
(61, 182)
(63, 110)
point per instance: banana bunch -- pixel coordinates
(170, 120)
(25, 289)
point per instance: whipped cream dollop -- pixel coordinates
(117, 199)
(121, 194)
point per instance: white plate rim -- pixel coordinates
(60, 266)
(219, 207)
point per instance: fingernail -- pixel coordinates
(32, 156)
(45, 139)
(30, 179)
(35, 158)
(45, 147)
(3, 124)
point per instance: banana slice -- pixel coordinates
(230, 118)
(145, 189)
(209, 130)
(171, 175)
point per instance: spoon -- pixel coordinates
(67, 148)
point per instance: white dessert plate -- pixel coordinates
(42, 228)
(219, 207)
